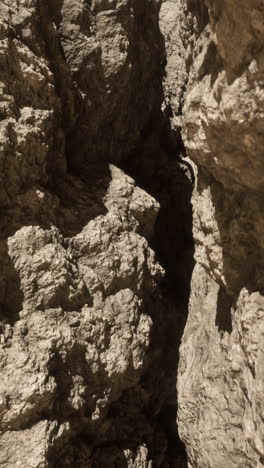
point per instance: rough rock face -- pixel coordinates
(220, 380)
(96, 260)
(88, 354)
(81, 334)
(80, 63)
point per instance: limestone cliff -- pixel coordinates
(113, 115)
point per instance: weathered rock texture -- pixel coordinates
(220, 380)
(88, 353)
(96, 263)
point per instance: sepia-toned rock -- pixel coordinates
(131, 233)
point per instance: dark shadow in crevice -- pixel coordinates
(11, 298)
(102, 113)
(80, 452)
(198, 9)
(68, 203)
(176, 448)
(69, 451)
(223, 319)
(212, 64)
(81, 196)
(170, 181)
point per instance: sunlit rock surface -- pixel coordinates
(220, 379)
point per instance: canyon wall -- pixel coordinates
(220, 378)
(114, 114)
(88, 353)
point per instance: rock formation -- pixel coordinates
(220, 379)
(110, 110)
(88, 353)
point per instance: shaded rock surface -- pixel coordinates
(79, 336)
(220, 378)
(111, 112)
(88, 314)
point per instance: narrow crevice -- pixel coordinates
(170, 181)
(223, 318)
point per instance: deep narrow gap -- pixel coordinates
(158, 167)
